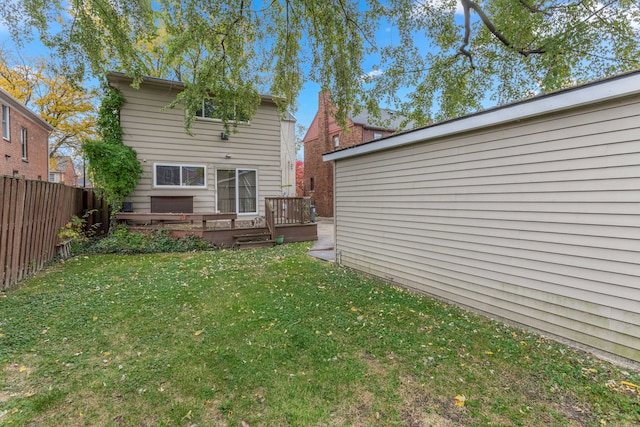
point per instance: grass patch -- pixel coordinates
(274, 337)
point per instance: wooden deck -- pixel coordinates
(161, 218)
(288, 217)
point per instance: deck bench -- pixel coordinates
(177, 217)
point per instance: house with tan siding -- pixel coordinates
(528, 212)
(210, 170)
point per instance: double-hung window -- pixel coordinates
(23, 142)
(172, 175)
(237, 190)
(211, 110)
(6, 130)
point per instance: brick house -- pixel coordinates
(24, 146)
(62, 171)
(325, 135)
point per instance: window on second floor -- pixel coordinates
(210, 110)
(24, 142)
(377, 135)
(6, 130)
(336, 141)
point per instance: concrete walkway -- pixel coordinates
(324, 246)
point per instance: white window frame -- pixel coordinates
(6, 122)
(336, 141)
(24, 140)
(215, 119)
(377, 135)
(181, 186)
(238, 170)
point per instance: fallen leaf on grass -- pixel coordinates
(628, 384)
(460, 399)
(197, 333)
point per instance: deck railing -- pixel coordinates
(268, 218)
(290, 210)
(286, 210)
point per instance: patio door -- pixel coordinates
(237, 191)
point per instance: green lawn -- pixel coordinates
(273, 337)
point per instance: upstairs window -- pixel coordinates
(336, 141)
(377, 135)
(168, 175)
(23, 142)
(211, 110)
(6, 130)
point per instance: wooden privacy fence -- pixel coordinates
(31, 216)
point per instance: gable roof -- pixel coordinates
(61, 164)
(391, 119)
(590, 93)
(114, 76)
(14, 103)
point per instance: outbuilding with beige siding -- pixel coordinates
(528, 212)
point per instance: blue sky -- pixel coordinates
(307, 100)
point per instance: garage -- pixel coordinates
(528, 213)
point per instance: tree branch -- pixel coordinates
(462, 50)
(467, 5)
(534, 9)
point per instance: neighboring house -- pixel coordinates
(528, 212)
(24, 146)
(62, 171)
(325, 135)
(210, 170)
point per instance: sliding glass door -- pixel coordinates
(237, 190)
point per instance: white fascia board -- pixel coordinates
(615, 87)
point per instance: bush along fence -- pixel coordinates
(32, 213)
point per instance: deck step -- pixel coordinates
(252, 244)
(251, 237)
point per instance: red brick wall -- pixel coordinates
(321, 192)
(69, 176)
(36, 165)
(314, 148)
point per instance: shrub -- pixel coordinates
(121, 240)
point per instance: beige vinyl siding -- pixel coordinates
(536, 221)
(158, 136)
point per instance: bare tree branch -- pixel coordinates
(467, 6)
(462, 50)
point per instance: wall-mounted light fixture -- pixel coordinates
(7, 156)
(224, 136)
(227, 156)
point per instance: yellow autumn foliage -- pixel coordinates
(67, 107)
